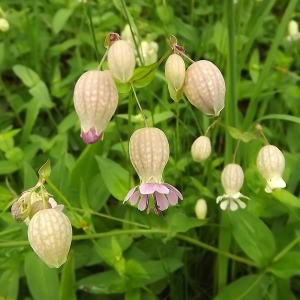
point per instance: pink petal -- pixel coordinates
(172, 198)
(161, 201)
(130, 193)
(160, 188)
(91, 136)
(172, 188)
(143, 202)
(134, 198)
(147, 188)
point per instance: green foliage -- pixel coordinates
(119, 252)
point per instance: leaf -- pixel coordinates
(27, 75)
(165, 13)
(7, 167)
(9, 134)
(41, 93)
(116, 178)
(133, 295)
(68, 281)
(247, 137)
(281, 117)
(122, 87)
(235, 133)
(284, 196)
(220, 38)
(253, 236)
(160, 117)
(42, 281)
(135, 270)
(60, 19)
(249, 287)
(287, 266)
(142, 76)
(9, 283)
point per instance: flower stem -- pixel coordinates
(102, 60)
(212, 125)
(139, 105)
(235, 150)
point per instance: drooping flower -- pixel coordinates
(201, 209)
(121, 60)
(50, 235)
(201, 148)
(232, 179)
(270, 163)
(4, 25)
(204, 87)
(149, 153)
(95, 101)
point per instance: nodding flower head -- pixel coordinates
(204, 86)
(270, 164)
(232, 179)
(201, 148)
(95, 101)
(149, 153)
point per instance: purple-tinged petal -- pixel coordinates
(143, 202)
(160, 188)
(134, 198)
(147, 188)
(91, 137)
(172, 188)
(161, 201)
(172, 198)
(130, 193)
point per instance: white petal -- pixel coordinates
(224, 204)
(240, 203)
(233, 205)
(220, 198)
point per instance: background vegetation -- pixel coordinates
(250, 254)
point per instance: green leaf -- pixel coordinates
(9, 283)
(166, 14)
(220, 38)
(9, 134)
(122, 87)
(60, 19)
(7, 167)
(133, 295)
(45, 169)
(135, 270)
(116, 178)
(42, 281)
(27, 75)
(287, 266)
(160, 117)
(15, 155)
(249, 287)
(247, 137)
(286, 197)
(142, 76)
(235, 133)
(281, 117)
(253, 236)
(68, 281)
(41, 93)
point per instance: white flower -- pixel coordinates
(50, 235)
(4, 25)
(293, 30)
(201, 148)
(201, 209)
(232, 179)
(270, 163)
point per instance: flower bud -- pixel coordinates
(4, 25)
(201, 209)
(293, 28)
(175, 71)
(204, 87)
(95, 101)
(121, 60)
(270, 164)
(149, 153)
(175, 95)
(201, 149)
(50, 235)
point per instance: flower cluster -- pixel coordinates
(49, 229)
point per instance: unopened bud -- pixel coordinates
(201, 209)
(121, 60)
(95, 101)
(204, 87)
(201, 149)
(4, 25)
(175, 71)
(50, 235)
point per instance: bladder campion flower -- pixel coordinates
(201, 148)
(201, 209)
(270, 164)
(293, 30)
(95, 101)
(149, 153)
(204, 86)
(50, 235)
(232, 179)
(121, 60)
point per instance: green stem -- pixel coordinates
(286, 249)
(139, 105)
